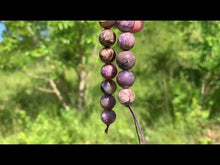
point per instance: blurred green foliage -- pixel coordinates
(177, 84)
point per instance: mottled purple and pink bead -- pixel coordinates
(125, 79)
(125, 26)
(126, 97)
(108, 71)
(126, 41)
(125, 60)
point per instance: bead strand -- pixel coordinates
(107, 38)
(125, 61)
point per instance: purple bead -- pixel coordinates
(107, 37)
(108, 116)
(125, 79)
(108, 87)
(125, 26)
(126, 60)
(107, 55)
(126, 41)
(107, 102)
(108, 71)
(107, 24)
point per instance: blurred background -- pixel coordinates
(50, 84)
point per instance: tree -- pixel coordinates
(180, 62)
(203, 40)
(57, 45)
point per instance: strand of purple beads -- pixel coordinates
(125, 61)
(107, 38)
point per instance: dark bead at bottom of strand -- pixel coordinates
(108, 117)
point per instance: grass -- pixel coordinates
(29, 117)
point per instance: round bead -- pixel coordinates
(126, 41)
(108, 117)
(138, 26)
(108, 87)
(126, 96)
(107, 24)
(126, 60)
(108, 71)
(125, 26)
(125, 79)
(107, 37)
(107, 55)
(107, 102)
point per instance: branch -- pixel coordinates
(53, 86)
(94, 53)
(32, 33)
(44, 90)
(58, 94)
(205, 84)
